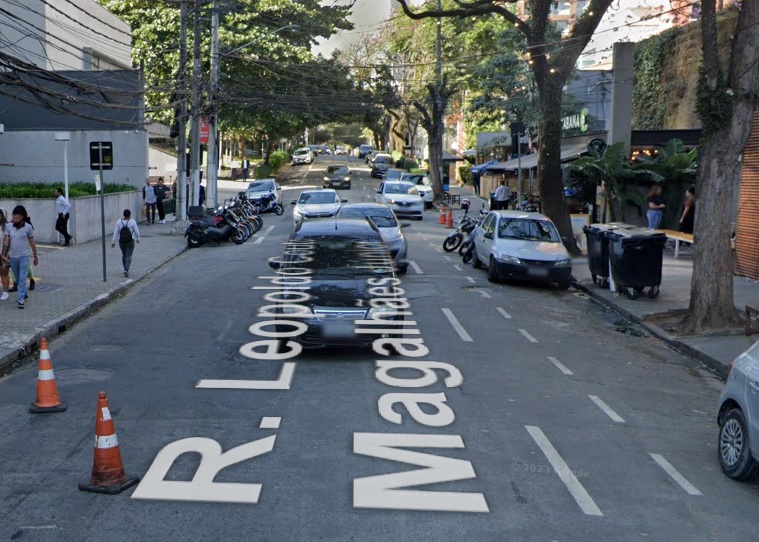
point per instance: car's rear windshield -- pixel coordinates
(400, 188)
(258, 186)
(310, 198)
(383, 218)
(352, 256)
(337, 169)
(301, 151)
(383, 160)
(528, 229)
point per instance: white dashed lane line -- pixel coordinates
(560, 366)
(503, 313)
(415, 267)
(528, 336)
(576, 489)
(667, 467)
(607, 409)
(457, 267)
(457, 326)
(470, 279)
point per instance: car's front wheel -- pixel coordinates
(733, 447)
(492, 272)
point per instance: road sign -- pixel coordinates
(205, 130)
(101, 155)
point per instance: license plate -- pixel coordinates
(338, 330)
(537, 272)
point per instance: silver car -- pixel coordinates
(319, 203)
(738, 418)
(423, 185)
(390, 229)
(402, 197)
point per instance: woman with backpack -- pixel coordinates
(126, 234)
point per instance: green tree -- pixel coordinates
(552, 62)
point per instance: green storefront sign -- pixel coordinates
(576, 123)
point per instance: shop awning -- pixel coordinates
(448, 157)
(482, 167)
(530, 161)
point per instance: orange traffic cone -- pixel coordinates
(108, 474)
(442, 215)
(449, 222)
(48, 400)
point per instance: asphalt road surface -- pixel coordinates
(566, 424)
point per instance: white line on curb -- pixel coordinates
(415, 267)
(483, 293)
(528, 336)
(503, 313)
(470, 279)
(607, 409)
(447, 258)
(457, 326)
(259, 240)
(576, 489)
(559, 365)
(667, 467)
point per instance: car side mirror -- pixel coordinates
(488, 235)
(565, 241)
(379, 191)
(405, 224)
(279, 187)
(275, 265)
(343, 201)
(293, 202)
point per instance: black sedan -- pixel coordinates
(337, 177)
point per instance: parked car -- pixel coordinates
(341, 151)
(302, 156)
(393, 174)
(262, 187)
(387, 224)
(343, 282)
(363, 150)
(515, 245)
(337, 177)
(382, 162)
(319, 203)
(372, 155)
(738, 418)
(402, 197)
(324, 149)
(423, 185)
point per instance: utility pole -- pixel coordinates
(213, 121)
(181, 205)
(195, 119)
(438, 97)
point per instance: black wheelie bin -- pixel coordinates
(598, 250)
(636, 260)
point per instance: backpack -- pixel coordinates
(125, 234)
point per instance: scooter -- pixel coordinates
(200, 232)
(269, 204)
(454, 239)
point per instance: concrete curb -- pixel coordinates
(62, 323)
(712, 364)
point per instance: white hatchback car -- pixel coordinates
(423, 185)
(319, 203)
(516, 245)
(402, 197)
(738, 418)
(302, 156)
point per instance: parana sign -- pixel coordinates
(576, 122)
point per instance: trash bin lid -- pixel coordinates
(612, 226)
(635, 233)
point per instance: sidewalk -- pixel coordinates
(715, 351)
(70, 286)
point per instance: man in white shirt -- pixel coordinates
(501, 196)
(63, 207)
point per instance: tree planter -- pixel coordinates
(84, 224)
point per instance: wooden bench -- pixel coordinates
(678, 237)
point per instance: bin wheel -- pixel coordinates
(595, 278)
(653, 292)
(639, 289)
(631, 293)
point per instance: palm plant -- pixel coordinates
(613, 171)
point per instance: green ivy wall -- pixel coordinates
(666, 75)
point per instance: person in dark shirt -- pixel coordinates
(655, 208)
(161, 193)
(687, 220)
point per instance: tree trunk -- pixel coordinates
(436, 165)
(712, 306)
(241, 146)
(270, 144)
(549, 161)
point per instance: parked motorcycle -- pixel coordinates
(269, 204)
(456, 237)
(466, 250)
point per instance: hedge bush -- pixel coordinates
(277, 160)
(44, 190)
(465, 172)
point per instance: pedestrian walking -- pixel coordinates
(63, 207)
(476, 183)
(149, 196)
(5, 265)
(235, 169)
(201, 195)
(655, 207)
(501, 196)
(245, 169)
(127, 235)
(161, 193)
(688, 218)
(18, 243)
